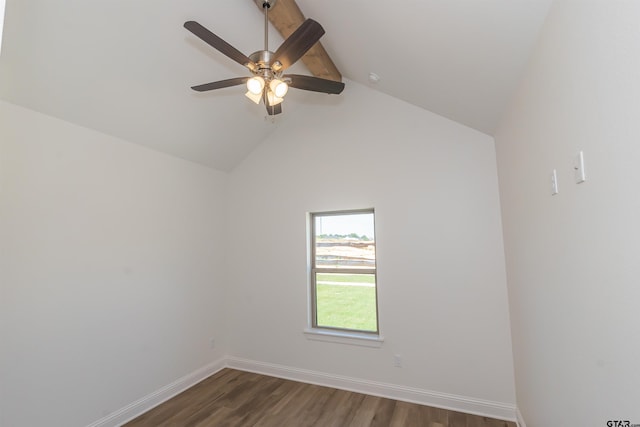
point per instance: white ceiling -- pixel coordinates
(124, 67)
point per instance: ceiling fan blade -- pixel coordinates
(315, 84)
(298, 43)
(220, 84)
(272, 110)
(219, 44)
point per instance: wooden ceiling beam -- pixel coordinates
(286, 17)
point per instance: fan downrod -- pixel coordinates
(266, 3)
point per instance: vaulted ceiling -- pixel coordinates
(124, 67)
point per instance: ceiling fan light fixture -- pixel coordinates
(273, 99)
(255, 85)
(255, 97)
(279, 88)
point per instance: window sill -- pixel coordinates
(352, 338)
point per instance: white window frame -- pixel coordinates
(335, 334)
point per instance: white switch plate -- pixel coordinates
(554, 183)
(578, 168)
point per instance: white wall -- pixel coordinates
(2, 7)
(111, 268)
(442, 283)
(572, 259)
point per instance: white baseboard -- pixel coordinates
(152, 400)
(520, 419)
(436, 399)
(469, 405)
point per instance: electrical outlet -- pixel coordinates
(397, 361)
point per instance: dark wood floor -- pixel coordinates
(236, 398)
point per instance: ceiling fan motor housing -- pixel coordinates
(262, 59)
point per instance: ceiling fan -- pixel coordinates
(268, 83)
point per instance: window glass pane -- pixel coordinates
(345, 241)
(346, 301)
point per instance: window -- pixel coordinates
(343, 271)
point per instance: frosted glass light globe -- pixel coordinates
(255, 85)
(279, 88)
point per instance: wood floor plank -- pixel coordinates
(400, 415)
(457, 419)
(339, 409)
(437, 417)
(373, 412)
(313, 406)
(384, 413)
(233, 398)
